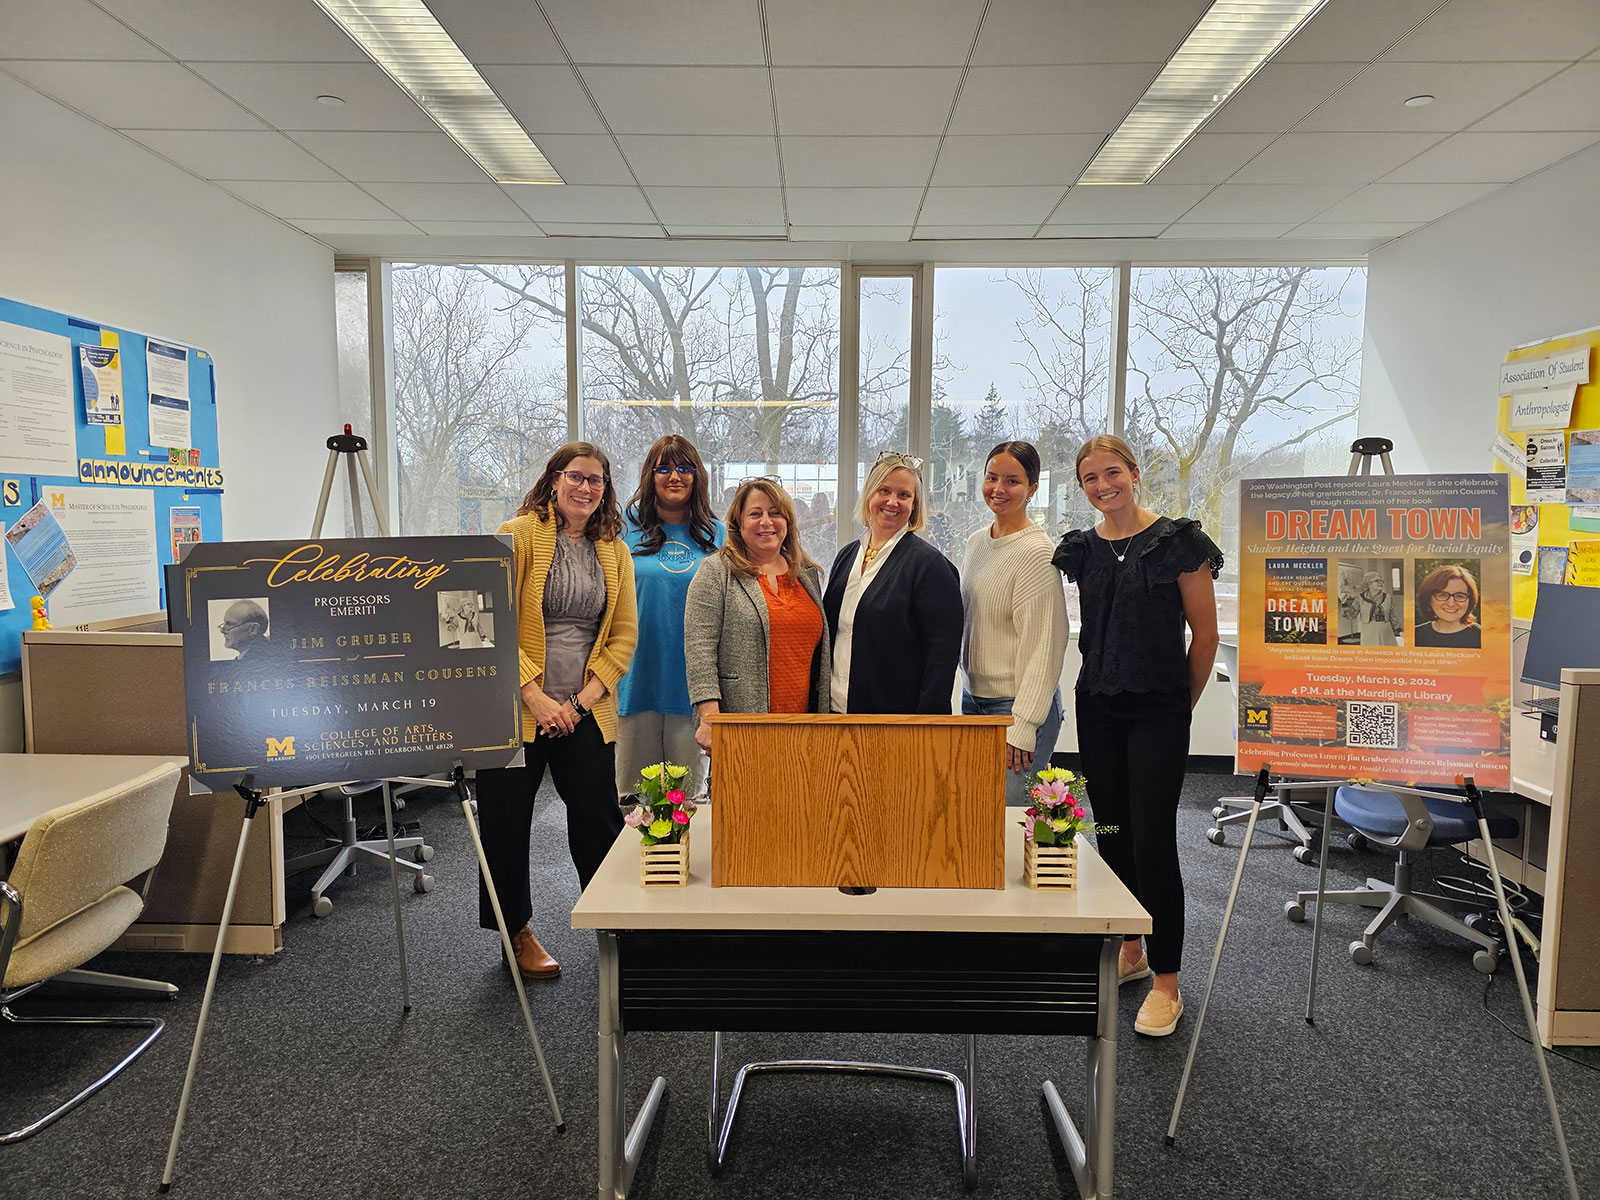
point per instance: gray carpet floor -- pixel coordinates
(312, 1083)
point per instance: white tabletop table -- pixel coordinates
(32, 784)
(699, 958)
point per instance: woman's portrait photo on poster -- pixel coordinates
(1448, 607)
(465, 623)
(1371, 601)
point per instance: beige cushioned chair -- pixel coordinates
(68, 898)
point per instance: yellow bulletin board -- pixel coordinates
(1556, 526)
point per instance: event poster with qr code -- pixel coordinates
(1375, 628)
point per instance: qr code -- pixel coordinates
(1372, 725)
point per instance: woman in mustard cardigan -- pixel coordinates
(576, 629)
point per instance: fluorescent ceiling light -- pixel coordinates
(407, 41)
(1226, 47)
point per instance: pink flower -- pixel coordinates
(681, 817)
(635, 818)
(1054, 792)
(675, 796)
(1078, 812)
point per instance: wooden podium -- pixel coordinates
(858, 801)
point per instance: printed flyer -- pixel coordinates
(1382, 648)
(311, 662)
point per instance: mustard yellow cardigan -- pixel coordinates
(534, 547)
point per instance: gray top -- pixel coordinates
(574, 602)
(726, 640)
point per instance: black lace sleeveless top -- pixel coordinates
(1132, 629)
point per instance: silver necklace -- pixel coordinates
(1124, 552)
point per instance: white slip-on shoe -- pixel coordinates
(1127, 971)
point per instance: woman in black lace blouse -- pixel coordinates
(1141, 579)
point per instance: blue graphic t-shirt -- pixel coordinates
(658, 681)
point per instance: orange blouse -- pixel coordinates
(795, 627)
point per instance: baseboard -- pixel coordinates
(201, 939)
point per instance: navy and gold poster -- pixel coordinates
(311, 662)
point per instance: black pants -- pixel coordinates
(583, 765)
(1134, 747)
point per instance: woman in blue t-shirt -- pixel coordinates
(669, 529)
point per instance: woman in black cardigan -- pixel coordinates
(893, 603)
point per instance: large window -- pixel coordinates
(742, 361)
(480, 391)
(1237, 373)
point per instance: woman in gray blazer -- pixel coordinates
(755, 639)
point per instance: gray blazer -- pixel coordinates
(725, 639)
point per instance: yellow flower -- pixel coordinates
(1060, 825)
(661, 828)
(674, 771)
(653, 771)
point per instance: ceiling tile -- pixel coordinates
(135, 95)
(705, 100)
(235, 154)
(1462, 92)
(294, 201)
(544, 203)
(684, 160)
(858, 161)
(1136, 230)
(1489, 157)
(1014, 159)
(1280, 94)
(1495, 31)
(988, 205)
(1405, 201)
(930, 33)
(840, 101)
(546, 99)
(956, 233)
(72, 29)
(1098, 205)
(285, 95)
(1211, 157)
(584, 158)
(1074, 99)
(600, 229)
(1084, 31)
(498, 33)
(238, 30)
(1569, 101)
(1332, 157)
(447, 201)
(1196, 229)
(393, 157)
(658, 31)
(726, 231)
(479, 228)
(849, 233)
(1355, 229)
(717, 205)
(323, 228)
(1236, 203)
(1352, 30)
(853, 206)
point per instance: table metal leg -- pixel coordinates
(619, 1156)
(1092, 1162)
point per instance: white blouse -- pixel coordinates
(856, 582)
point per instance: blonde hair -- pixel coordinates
(875, 478)
(1105, 441)
(737, 555)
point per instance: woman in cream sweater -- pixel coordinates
(1014, 633)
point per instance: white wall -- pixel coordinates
(1444, 305)
(96, 226)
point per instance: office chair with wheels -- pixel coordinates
(343, 852)
(67, 899)
(1407, 820)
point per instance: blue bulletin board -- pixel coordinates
(117, 458)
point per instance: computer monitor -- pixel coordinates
(1565, 633)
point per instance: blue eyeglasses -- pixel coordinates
(681, 469)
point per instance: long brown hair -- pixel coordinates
(1106, 441)
(673, 450)
(605, 522)
(737, 555)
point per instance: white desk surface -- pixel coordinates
(33, 784)
(614, 900)
(1533, 760)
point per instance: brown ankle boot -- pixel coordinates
(533, 960)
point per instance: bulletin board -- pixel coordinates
(1560, 527)
(118, 462)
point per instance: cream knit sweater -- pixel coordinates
(1014, 632)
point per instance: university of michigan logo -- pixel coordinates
(1258, 718)
(280, 749)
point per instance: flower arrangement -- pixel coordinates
(662, 814)
(1056, 816)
